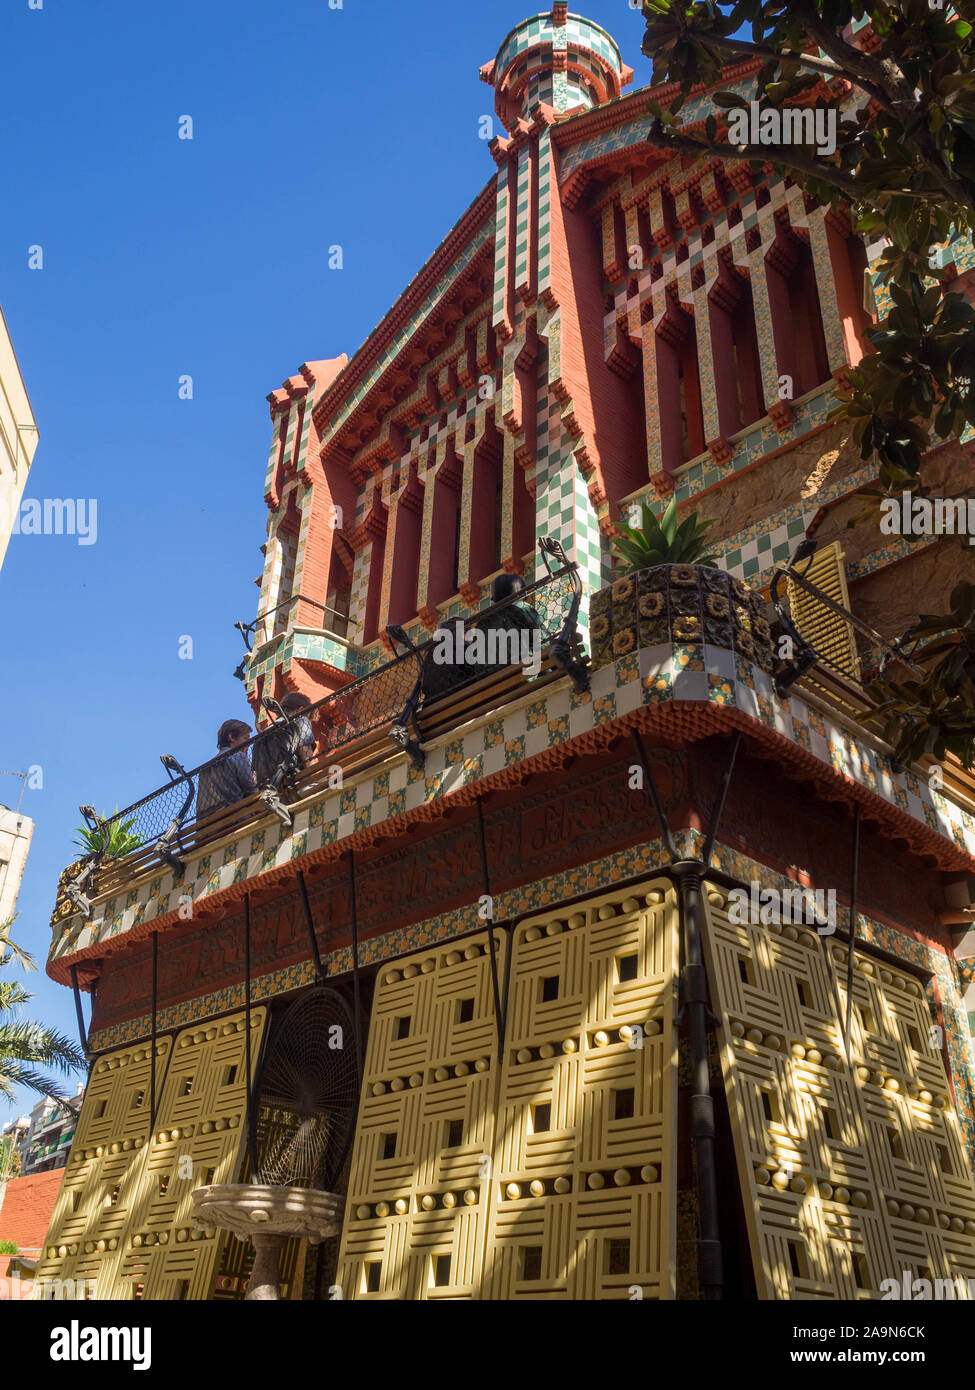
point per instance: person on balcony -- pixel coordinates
(287, 746)
(513, 635)
(227, 779)
(446, 663)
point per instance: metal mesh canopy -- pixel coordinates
(306, 1094)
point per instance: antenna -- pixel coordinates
(23, 783)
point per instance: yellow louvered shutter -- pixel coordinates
(826, 631)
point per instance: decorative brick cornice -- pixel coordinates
(481, 210)
(634, 105)
(721, 451)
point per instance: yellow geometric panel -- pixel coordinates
(419, 1183)
(585, 1190)
(554, 1180)
(88, 1231)
(852, 1174)
(125, 1213)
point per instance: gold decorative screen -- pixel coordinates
(419, 1185)
(851, 1175)
(584, 1192)
(124, 1215)
(554, 1178)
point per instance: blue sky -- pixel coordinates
(164, 257)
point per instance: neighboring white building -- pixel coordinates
(15, 832)
(47, 1141)
(18, 438)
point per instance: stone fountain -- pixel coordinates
(268, 1217)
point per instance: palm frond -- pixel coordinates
(22, 957)
(12, 995)
(14, 1074)
(32, 1042)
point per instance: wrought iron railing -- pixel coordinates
(339, 628)
(396, 697)
(806, 655)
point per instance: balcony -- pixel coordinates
(280, 640)
(401, 706)
(680, 654)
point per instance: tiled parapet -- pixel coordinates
(674, 690)
(687, 605)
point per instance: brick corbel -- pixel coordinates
(782, 415)
(721, 451)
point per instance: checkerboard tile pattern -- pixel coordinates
(755, 552)
(524, 729)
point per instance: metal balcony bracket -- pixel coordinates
(277, 807)
(171, 835)
(562, 653)
(289, 765)
(74, 891)
(400, 734)
(561, 648)
(400, 729)
(75, 888)
(804, 655)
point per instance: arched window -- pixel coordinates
(679, 387)
(797, 323)
(406, 553)
(485, 547)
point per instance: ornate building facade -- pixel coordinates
(18, 439)
(597, 1055)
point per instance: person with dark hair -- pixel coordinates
(227, 779)
(508, 586)
(510, 633)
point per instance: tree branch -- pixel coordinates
(886, 75)
(878, 78)
(744, 49)
(882, 73)
(786, 155)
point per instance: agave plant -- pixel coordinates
(663, 542)
(115, 841)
